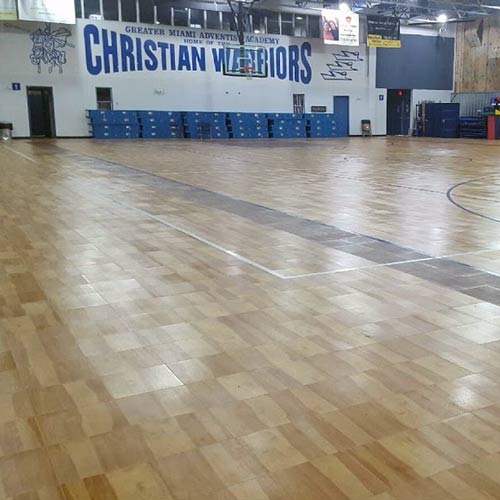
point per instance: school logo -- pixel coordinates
(344, 64)
(48, 48)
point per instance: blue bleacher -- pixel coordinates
(161, 124)
(250, 133)
(161, 131)
(102, 131)
(287, 125)
(473, 127)
(205, 125)
(285, 116)
(248, 125)
(98, 116)
(321, 125)
(247, 116)
(114, 124)
(122, 124)
(118, 131)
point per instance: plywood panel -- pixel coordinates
(477, 67)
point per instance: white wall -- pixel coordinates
(74, 86)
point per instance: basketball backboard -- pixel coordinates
(245, 60)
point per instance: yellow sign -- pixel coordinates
(378, 41)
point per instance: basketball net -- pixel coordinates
(248, 70)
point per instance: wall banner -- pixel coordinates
(383, 32)
(340, 27)
(8, 11)
(112, 48)
(48, 11)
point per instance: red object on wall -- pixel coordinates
(491, 127)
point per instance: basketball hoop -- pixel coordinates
(245, 61)
(249, 71)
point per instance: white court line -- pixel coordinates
(387, 264)
(266, 269)
(390, 264)
(253, 263)
(20, 154)
(275, 273)
(469, 253)
(270, 271)
(205, 241)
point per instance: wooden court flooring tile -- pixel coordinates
(342, 185)
(137, 362)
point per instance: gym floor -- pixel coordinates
(250, 320)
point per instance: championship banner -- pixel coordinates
(383, 32)
(340, 27)
(8, 11)
(47, 11)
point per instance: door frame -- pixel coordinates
(348, 118)
(51, 107)
(409, 93)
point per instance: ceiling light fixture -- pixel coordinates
(442, 18)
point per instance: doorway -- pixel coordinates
(341, 113)
(398, 111)
(41, 112)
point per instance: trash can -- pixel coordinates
(366, 127)
(5, 131)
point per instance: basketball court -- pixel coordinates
(227, 318)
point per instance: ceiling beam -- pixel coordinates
(404, 8)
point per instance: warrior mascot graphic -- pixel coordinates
(48, 47)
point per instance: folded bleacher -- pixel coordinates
(209, 125)
(114, 124)
(248, 125)
(473, 127)
(161, 124)
(287, 125)
(321, 125)
(205, 125)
